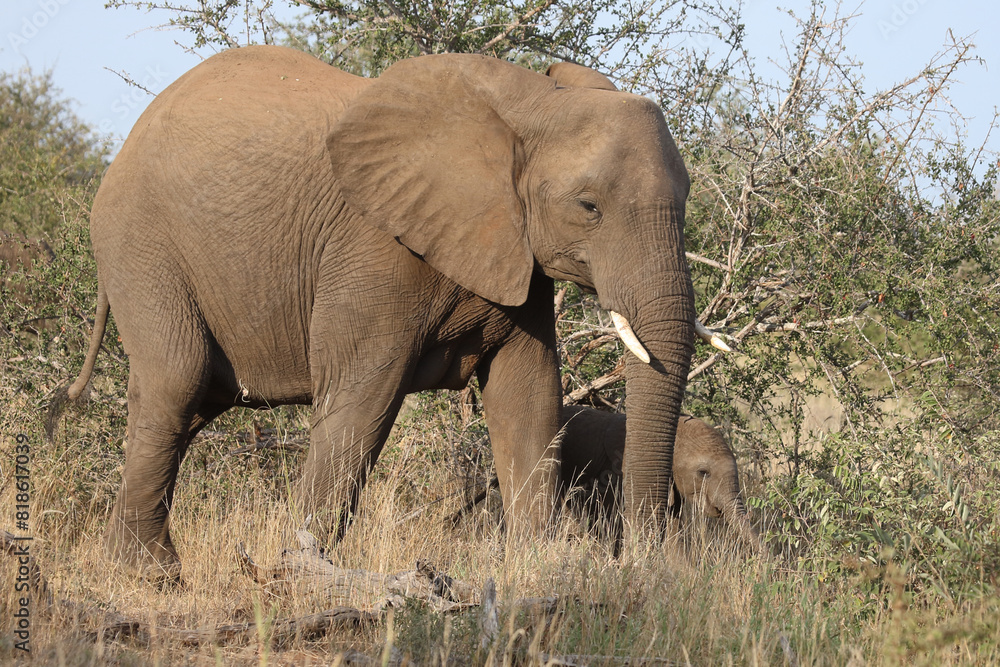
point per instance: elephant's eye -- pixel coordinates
(703, 474)
(588, 206)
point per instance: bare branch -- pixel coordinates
(692, 257)
(922, 364)
(128, 79)
(520, 22)
(765, 327)
(596, 385)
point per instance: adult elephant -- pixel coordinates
(277, 231)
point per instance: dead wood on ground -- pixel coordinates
(306, 566)
(309, 568)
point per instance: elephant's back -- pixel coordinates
(224, 190)
(260, 79)
(221, 145)
(251, 92)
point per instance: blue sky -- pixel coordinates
(895, 39)
(78, 39)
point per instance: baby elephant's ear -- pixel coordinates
(423, 154)
(571, 75)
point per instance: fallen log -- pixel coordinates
(308, 564)
(110, 625)
(280, 632)
(309, 567)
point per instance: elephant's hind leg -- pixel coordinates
(164, 414)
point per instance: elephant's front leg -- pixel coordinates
(522, 397)
(349, 428)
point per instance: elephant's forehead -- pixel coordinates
(612, 114)
(596, 132)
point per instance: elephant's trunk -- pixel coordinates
(653, 398)
(656, 296)
(735, 514)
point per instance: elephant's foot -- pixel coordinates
(155, 560)
(326, 519)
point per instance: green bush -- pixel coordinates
(46, 153)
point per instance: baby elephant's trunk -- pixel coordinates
(736, 515)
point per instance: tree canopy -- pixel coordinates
(46, 151)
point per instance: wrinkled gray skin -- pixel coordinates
(705, 472)
(277, 231)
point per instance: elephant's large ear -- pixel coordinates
(422, 154)
(571, 75)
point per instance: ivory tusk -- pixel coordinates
(628, 337)
(710, 336)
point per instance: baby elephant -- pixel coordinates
(705, 472)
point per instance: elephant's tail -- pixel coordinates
(73, 391)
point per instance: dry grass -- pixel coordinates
(223, 500)
(698, 599)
